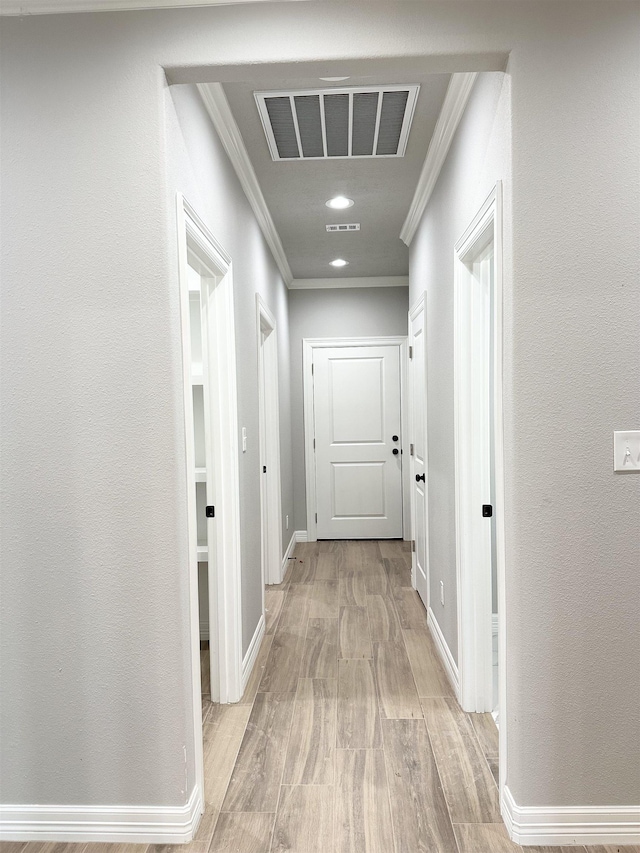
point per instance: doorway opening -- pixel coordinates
(479, 464)
(211, 447)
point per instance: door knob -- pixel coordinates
(394, 437)
(419, 477)
(395, 451)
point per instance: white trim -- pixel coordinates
(249, 660)
(289, 551)
(220, 113)
(452, 111)
(308, 346)
(444, 651)
(120, 824)
(53, 7)
(302, 536)
(570, 825)
(356, 281)
(269, 426)
(225, 618)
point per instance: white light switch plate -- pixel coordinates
(626, 451)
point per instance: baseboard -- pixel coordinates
(301, 536)
(288, 553)
(130, 824)
(570, 825)
(451, 667)
(252, 652)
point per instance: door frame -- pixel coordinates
(195, 239)
(269, 431)
(308, 346)
(474, 588)
(420, 305)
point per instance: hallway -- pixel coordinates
(348, 738)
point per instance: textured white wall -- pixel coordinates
(334, 313)
(94, 622)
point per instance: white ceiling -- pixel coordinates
(296, 192)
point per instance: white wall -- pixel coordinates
(94, 604)
(334, 313)
(479, 156)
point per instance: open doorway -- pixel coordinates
(269, 426)
(479, 460)
(211, 444)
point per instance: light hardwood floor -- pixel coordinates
(348, 738)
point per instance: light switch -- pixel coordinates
(244, 439)
(626, 451)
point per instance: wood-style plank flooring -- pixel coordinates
(348, 738)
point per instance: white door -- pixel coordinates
(418, 439)
(358, 442)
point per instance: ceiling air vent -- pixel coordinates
(323, 124)
(352, 226)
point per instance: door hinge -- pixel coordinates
(210, 512)
(264, 469)
(314, 444)
(413, 545)
(411, 450)
(487, 511)
(316, 518)
(410, 352)
(312, 370)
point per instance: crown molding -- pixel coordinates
(56, 7)
(453, 107)
(220, 113)
(360, 281)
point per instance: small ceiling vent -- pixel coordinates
(352, 226)
(323, 124)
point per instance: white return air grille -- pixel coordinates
(327, 124)
(351, 226)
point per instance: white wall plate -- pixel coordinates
(626, 451)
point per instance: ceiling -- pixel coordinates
(296, 192)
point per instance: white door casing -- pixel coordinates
(419, 479)
(197, 247)
(477, 369)
(357, 413)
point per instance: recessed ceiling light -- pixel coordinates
(340, 202)
(339, 263)
(334, 79)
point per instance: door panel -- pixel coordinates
(418, 437)
(356, 415)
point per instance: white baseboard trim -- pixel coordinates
(301, 536)
(288, 553)
(451, 667)
(252, 652)
(570, 825)
(130, 824)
